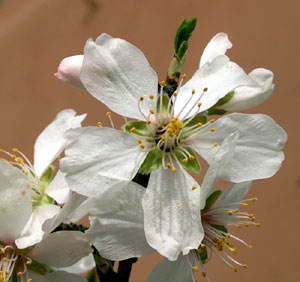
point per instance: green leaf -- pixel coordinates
(225, 99)
(191, 165)
(39, 268)
(214, 111)
(165, 102)
(47, 176)
(182, 50)
(202, 251)
(212, 198)
(152, 161)
(140, 128)
(220, 227)
(196, 120)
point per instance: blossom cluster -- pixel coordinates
(135, 182)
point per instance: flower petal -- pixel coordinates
(84, 265)
(69, 69)
(33, 232)
(219, 77)
(117, 73)
(217, 46)
(16, 205)
(61, 249)
(117, 223)
(172, 271)
(51, 142)
(56, 276)
(172, 212)
(259, 88)
(58, 189)
(258, 151)
(98, 158)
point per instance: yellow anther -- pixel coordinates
(13, 157)
(5, 259)
(230, 212)
(141, 98)
(140, 141)
(238, 226)
(191, 157)
(195, 268)
(202, 245)
(148, 122)
(2, 251)
(28, 262)
(244, 205)
(173, 169)
(151, 97)
(235, 269)
(19, 273)
(212, 129)
(194, 188)
(151, 111)
(205, 89)
(29, 280)
(108, 114)
(251, 215)
(258, 225)
(162, 83)
(185, 160)
(199, 124)
(253, 218)
(254, 199)
(15, 150)
(1, 150)
(236, 211)
(19, 160)
(169, 130)
(193, 91)
(245, 265)
(203, 274)
(212, 120)
(184, 76)
(58, 156)
(215, 144)
(11, 163)
(26, 172)
(163, 138)
(175, 94)
(168, 165)
(250, 247)
(132, 129)
(247, 224)
(142, 146)
(99, 124)
(199, 105)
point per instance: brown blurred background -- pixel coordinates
(36, 34)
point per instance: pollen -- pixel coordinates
(2, 251)
(236, 211)
(168, 165)
(140, 141)
(185, 160)
(245, 265)
(108, 114)
(244, 205)
(1, 150)
(235, 269)
(151, 111)
(58, 156)
(199, 124)
(5, 259)
(193, 91)
(141, 98)
(238, 226)
(132, 129)
(246, 224)
(212, 130)
(19, 160)
(142, 146)
(250, 247)
(258, 225)
(254, 199)
(203, 274)
(151, 97)
(191, 157)
(15, 150)
(148, 122)
(184, 76)
(199, 105)
(230, 212)
(163, 138)
(99, 124)
(195, 268)
(28, 262)
(194, 188)
(26, 172)
(205, 89)
(162, 83)
(173, 169)
(215, 144)
(29, 280)
(175, 94)
(19, 273)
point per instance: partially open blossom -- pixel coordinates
(69, 70)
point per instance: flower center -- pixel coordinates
(12, 263)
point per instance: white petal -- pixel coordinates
(56, 276)
(222, 159)
(15, 205)
(172, 271)
(260, 87)
(220, 77)
(172, 213)
(58, 189)
(61, 249)
(217, 46)
(71, 208)
(84, 265)
(117, 223)
(98, 158)
(33, 232)
(69, 69)
(258, 151)
(117, 73)
(51, 142)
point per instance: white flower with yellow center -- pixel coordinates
(35, 263)
(44, 190)
(166, 136)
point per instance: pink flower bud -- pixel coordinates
(69, 70)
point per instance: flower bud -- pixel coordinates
(69, 70)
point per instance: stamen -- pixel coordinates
(108, 114)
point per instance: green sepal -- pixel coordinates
(152, 161)
(140, 128)
(92, 276)
(191, 165)
(225, 99)
(214, 111)
(202, 251)
(196, 120)
(39, 268)
(165, 102)
(47, 176)
(212, 198)
(220, 227)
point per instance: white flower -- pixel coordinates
(44, 189)
(59, 249)
(167, 135)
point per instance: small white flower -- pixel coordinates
(59, 249)
(44, 189)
